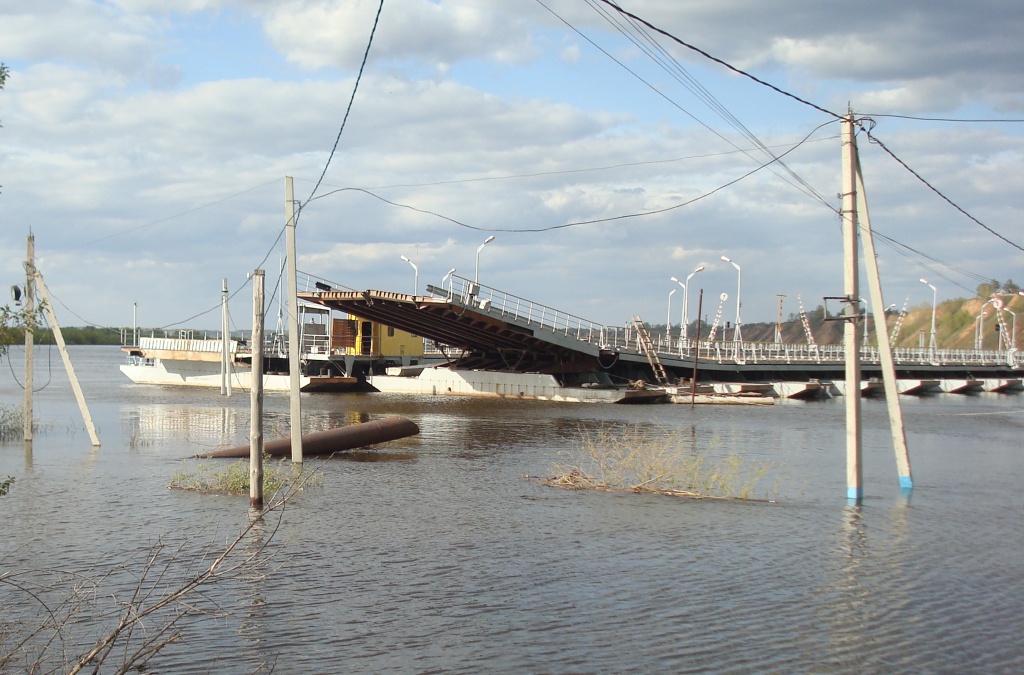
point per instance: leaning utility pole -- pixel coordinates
(58, 336)
(294, 350)
(892, 396)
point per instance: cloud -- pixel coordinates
(144, 191)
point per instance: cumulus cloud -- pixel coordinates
(482, 117)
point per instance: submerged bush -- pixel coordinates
(233, 479)
(639, 460)
(12, 422)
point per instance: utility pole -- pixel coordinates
(58, 336)
(225, 341)
(878, 306)
(30, 325)
(778, 325)
(256, 396)
(851, 346)
(294, 350)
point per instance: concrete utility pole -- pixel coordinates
(30, 325)
(58, 336)
(294, 348)
(256, 395)
(892, 397)
(854, 204)
(778, 324)
(851, 343)
(225, 339)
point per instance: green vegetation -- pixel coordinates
(233, 479)
(5, 485)
(638, 460)
(12, 422)
(89, 335)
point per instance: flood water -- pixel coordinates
(436, 553)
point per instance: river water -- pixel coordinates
(437, 553)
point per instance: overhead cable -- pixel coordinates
(879, 143)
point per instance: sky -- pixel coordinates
(145, 144)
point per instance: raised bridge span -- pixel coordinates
(490, 329)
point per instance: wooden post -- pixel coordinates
(696, 351)
(62, 347)
(30, 324)
(851, 336)
(256, 395)
(294, 350)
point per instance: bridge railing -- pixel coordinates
(532, 313)
(618, 338)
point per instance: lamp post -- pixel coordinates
(416, 276)
(451, 286)
(668, 318)
(488, 240)
(737, 335)
(935, 295)
(1013, 329)
(686, 298)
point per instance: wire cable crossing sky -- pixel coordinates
(145, 145)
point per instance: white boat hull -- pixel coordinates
(537, 386)
(206, 374)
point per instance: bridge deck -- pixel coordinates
(500, 331)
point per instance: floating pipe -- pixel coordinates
(332, 440)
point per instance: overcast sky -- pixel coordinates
(145, 144)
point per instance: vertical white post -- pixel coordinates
(225, 340)
(135, 324)
(62, 347)
(851, 342)
(668, 320)
(256, 396)
(892, 397)
(30, 325)
(294, 355)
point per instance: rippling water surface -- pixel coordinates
(438, 554)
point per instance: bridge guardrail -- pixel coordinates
(617, 338)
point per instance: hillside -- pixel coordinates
(955, 325)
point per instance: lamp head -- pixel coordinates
(700, 268)
(726, 258)
(489, 239)
(674, 279)
(405, 259)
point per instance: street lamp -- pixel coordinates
(737, 335)
(451, 286)
(931, 343)
(686, 299)
(488, 240)
(416, 276)
(1012, 342)
(668, 318)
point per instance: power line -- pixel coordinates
(582, 222)
(720, 61)
(934, 189)
(348, 109)
(538, 174)
(942, 119)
